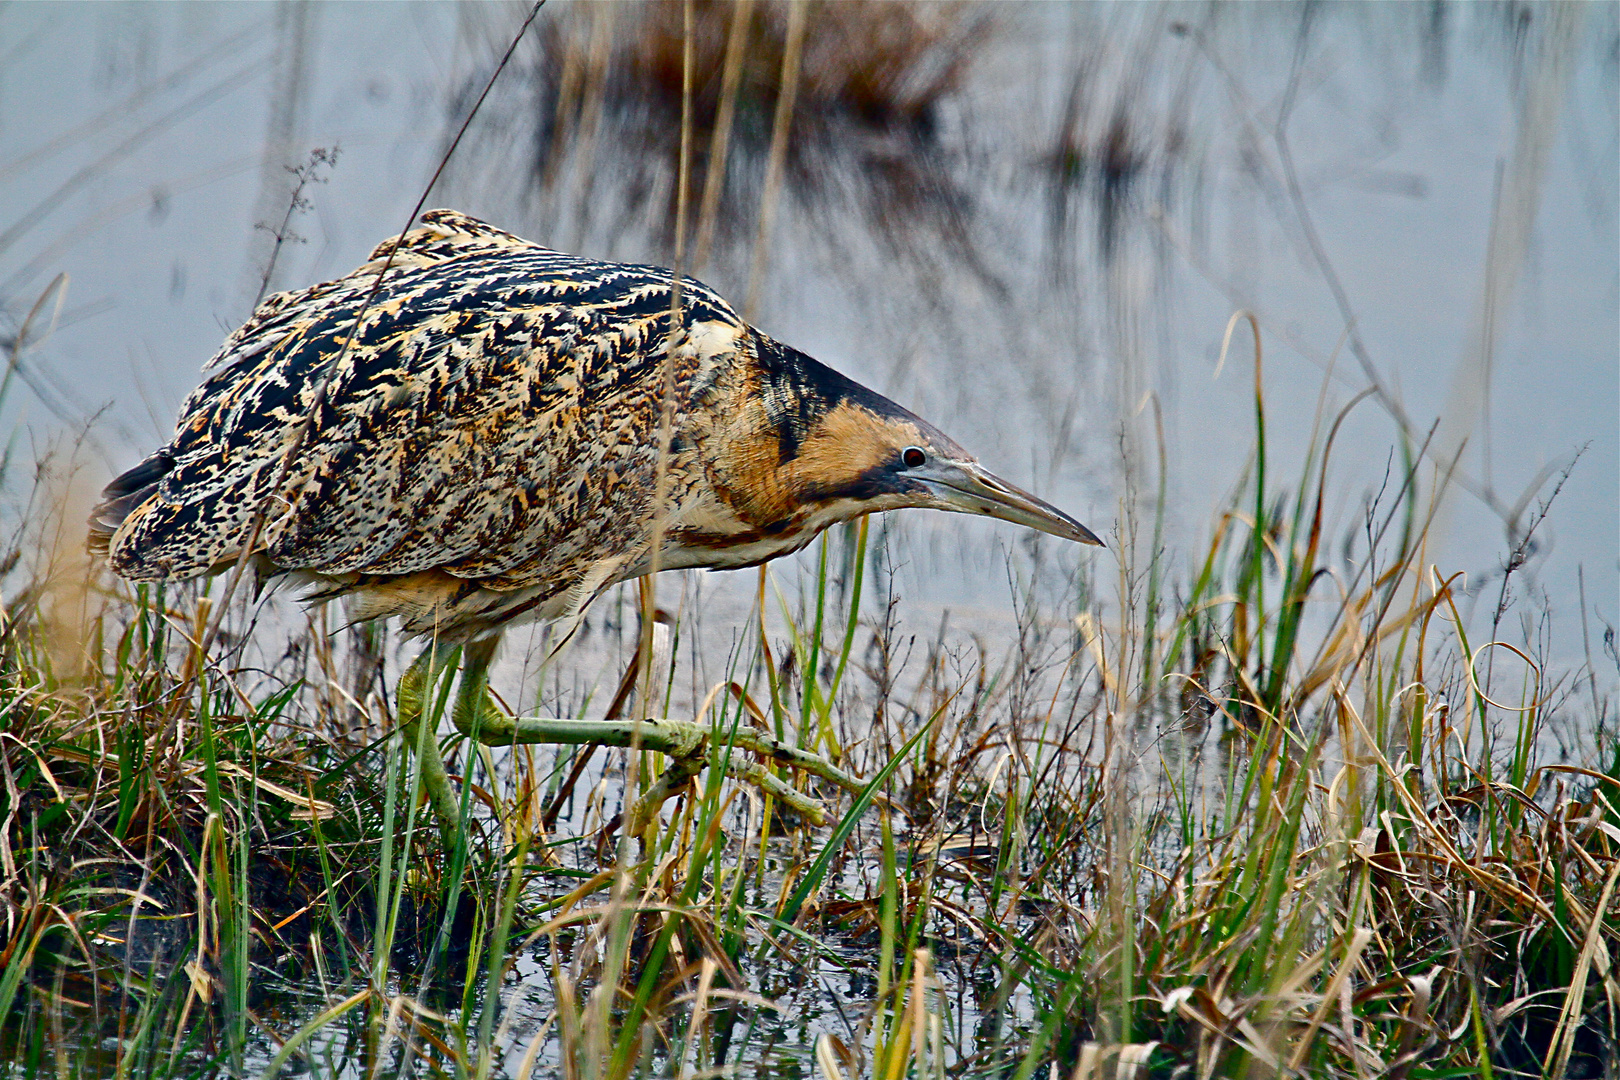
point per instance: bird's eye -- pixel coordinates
(913, 457)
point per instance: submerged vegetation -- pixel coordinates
(1284, 818)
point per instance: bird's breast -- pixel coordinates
(710, 534)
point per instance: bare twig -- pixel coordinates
(302, 432)
(303, 175)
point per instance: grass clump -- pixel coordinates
(1289, 816)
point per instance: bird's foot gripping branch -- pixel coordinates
(690, 746)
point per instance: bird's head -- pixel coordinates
(829, 449)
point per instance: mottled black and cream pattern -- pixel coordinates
(488, 445)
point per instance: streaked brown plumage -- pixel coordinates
(488, 448)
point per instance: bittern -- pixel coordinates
(499, 432)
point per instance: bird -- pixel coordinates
(472, 430)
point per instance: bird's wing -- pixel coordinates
(443, 235)
(498, 417)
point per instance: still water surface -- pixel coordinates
(143, 144)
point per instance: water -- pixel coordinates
(146, 143)
(1456, 168)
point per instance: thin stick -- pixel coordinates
(714, 180)
(308, 420)
(778, 158)
(666, 413)
(666, 418)
(627, 683)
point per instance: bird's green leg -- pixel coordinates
(683, 740)
(476, 716)
(475, 711)
(414, 687)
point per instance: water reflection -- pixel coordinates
(1032, 221)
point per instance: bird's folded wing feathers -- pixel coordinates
(493, 418)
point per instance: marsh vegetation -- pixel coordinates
(1279, 792)
(1285, 815)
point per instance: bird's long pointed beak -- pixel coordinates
(968, 488)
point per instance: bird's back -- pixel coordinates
(497, 421)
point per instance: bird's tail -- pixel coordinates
(120, 498)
